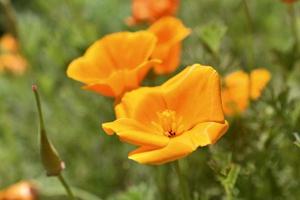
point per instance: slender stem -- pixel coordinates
(182, 183)
(39, 107)
(251, 58)
(10, 17)
(42, 126)
(66, 186)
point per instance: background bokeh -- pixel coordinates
(259, 147)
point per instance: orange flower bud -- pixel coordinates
(151, 10)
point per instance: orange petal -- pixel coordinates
(9, 43)
(133, 132)
(235, 95)
(195, 95)
(201, 135)
(178, 147)
(259, 79)
(207, 133)
(151, 10)
(136, 104)
(121, 81)
(20, 191)
(171, 60)
(115, 63)
(84, 70)
(129, 50)
(14, 63)
(169, 31)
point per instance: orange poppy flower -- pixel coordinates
(13, 62)
(170, 121)
(10, 58)
(240, 87)
(8, 43)
(20, 191)
(151, 10)
(116, 63)
(170, 31)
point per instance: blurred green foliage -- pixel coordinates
(256, 159)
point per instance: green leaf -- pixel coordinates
(211, 35)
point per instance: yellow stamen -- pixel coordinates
(169, 123)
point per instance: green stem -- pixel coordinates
(251, 59)
(182, 182)
(66, 186)
(43, 132)
(39, 107)
(10, 17)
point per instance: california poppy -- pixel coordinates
(10, 58)
(151, 10)
(170, 121)
(8, 43)
(240, 87)
(21, 191)
(170, 31)
(116, 63)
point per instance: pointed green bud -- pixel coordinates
(50, 158)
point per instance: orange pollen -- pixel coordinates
(168, 123)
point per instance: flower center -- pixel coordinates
(169, 123)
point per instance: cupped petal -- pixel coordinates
(171, 59)
(142, 104)
(129, 49)
(9, 44)
(259, 79)
(233, 106)
(201, 135)
(84, 70)
(207, 133)
(121, 81)
(236, 91)
(114, 52)
(195, 95)
(169, 31)
(134, 132)
(177, 148)
(151, 10)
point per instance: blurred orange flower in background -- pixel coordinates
(240, 87)
(289, 1)
(170, 31)
(170, 121)
(10, 58)
(151, 10)
(116, 63)
(21, 191)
